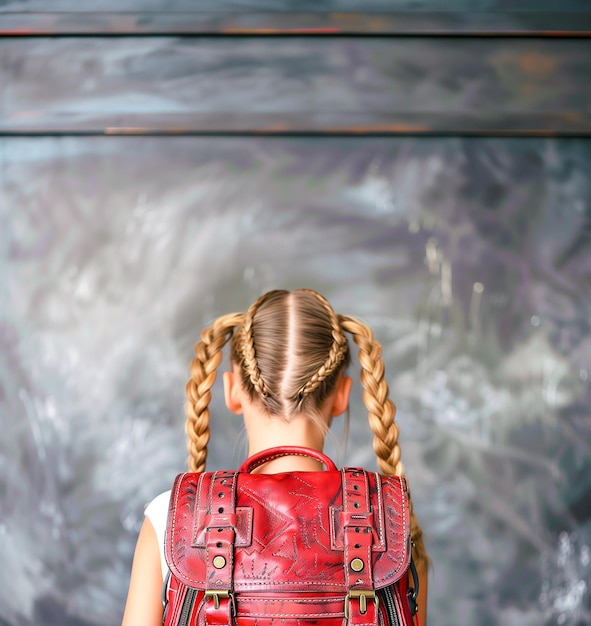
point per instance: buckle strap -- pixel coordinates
(220, 537)
(358, 541)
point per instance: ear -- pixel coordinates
(232, 395)
(341, 397)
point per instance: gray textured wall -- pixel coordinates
(469, 256)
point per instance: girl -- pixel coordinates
(289, 354)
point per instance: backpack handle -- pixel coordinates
(260, 458)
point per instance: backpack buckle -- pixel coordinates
(216, 594)
(362, 596)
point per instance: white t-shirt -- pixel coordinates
(157, 512)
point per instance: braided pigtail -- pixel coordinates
(381, 413)
(249, 362)
(203, 368)
(337, 354)
(380, 408)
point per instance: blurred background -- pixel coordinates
(425, 165)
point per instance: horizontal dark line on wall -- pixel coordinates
(420, 24)
(140, 132)
(518, 124)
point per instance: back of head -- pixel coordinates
(291, 348)
(291, 351)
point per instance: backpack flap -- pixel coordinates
(290, 532)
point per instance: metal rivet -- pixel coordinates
(357, 565)
(220, 561)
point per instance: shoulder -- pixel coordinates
(157, 508)
(157, 512)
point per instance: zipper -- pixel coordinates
(187, 608)
(391, 613)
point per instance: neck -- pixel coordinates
(266, 432)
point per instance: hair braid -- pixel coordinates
(203, 368)
(337, 353)
(380, 408)
(381, 413)
(247, 350)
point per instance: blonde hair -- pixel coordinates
(291, 348)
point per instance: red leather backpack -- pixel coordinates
(298, 548)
